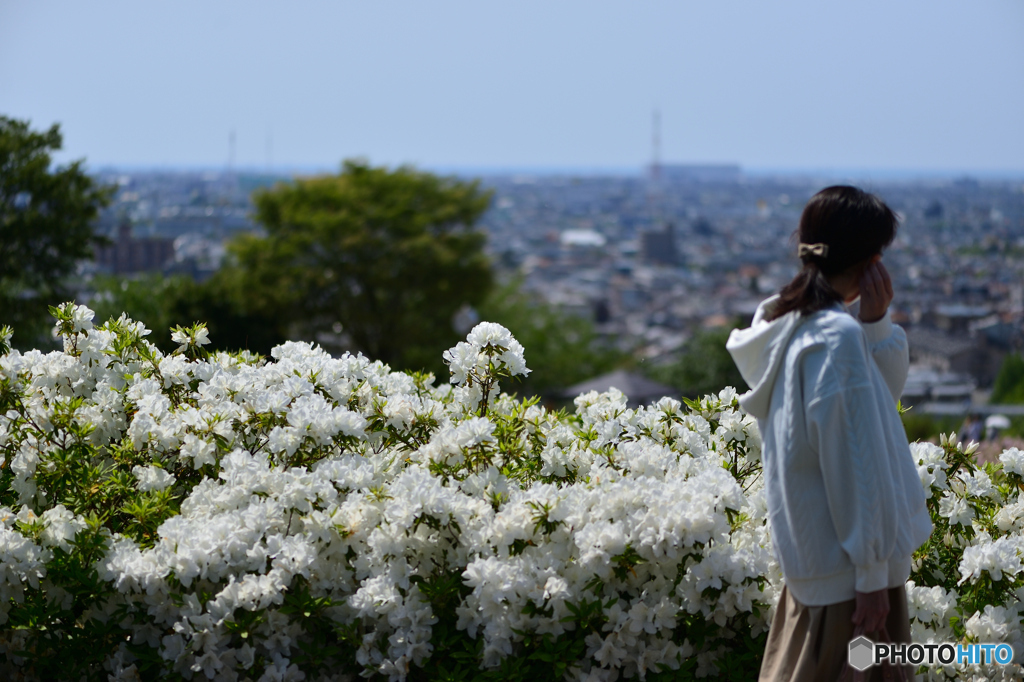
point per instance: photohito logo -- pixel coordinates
(864, 653)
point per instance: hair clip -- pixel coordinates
(819, 250)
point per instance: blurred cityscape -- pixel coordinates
(652, 258)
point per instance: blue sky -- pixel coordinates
(895, 84)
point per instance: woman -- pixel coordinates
(846, 506)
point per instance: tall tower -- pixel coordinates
(654, 186)
(656, 146)
(270, 150)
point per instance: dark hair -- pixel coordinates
(854, 226)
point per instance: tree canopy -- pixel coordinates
(47, 219)
(164, 302)
(1009, 384)
(371, 259)
(703, 366)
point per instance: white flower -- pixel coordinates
(473, 432)
(60, 527)
(929, 604)
(195, 336)
(489, 334)
(998, 558)
(81, 317)
(956, 510)
(992, 625)
(462, 360)
(152, 478)
(978, 484)
(470, 358)
(400, 412)
(26, 515)
(732, 427)
(931, 466)
(200, 451)
(286, 439)
(1009, 516)
(928, 454)
(514, 359)
(1013, 461)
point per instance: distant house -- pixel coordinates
(128, 254)
(660, 247)
(956, 353)
(956, 318)
(587, 239)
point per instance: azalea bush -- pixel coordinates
(305, 517)
(968, 581)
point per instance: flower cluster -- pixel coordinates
(968, 580)
(306, 517)
(489, 353)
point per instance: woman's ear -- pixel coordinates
(857, 269)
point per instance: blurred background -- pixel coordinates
(617, 183)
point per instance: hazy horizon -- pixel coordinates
(896, 174)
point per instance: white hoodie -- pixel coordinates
(845, 503)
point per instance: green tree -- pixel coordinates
(46, 225)
(561, 349)
(371, 259)
(922, 426)
(704, 366)
(150, 298)
(1009, 384)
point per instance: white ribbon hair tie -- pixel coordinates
(820, 250)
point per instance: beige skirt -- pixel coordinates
(810, 643)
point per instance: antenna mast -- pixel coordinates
(656, 146)
(270, 150)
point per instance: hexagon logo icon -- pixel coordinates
(861, 653)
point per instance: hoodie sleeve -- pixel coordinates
(845, 427)
(888, 344)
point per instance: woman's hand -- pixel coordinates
(875, 292)
(870, 612)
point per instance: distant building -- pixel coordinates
(956, 318)
(925, 384)
(582, 238)
(660, 247)
(955, 353)
(128, 254)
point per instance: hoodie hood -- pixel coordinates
(758, 352)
